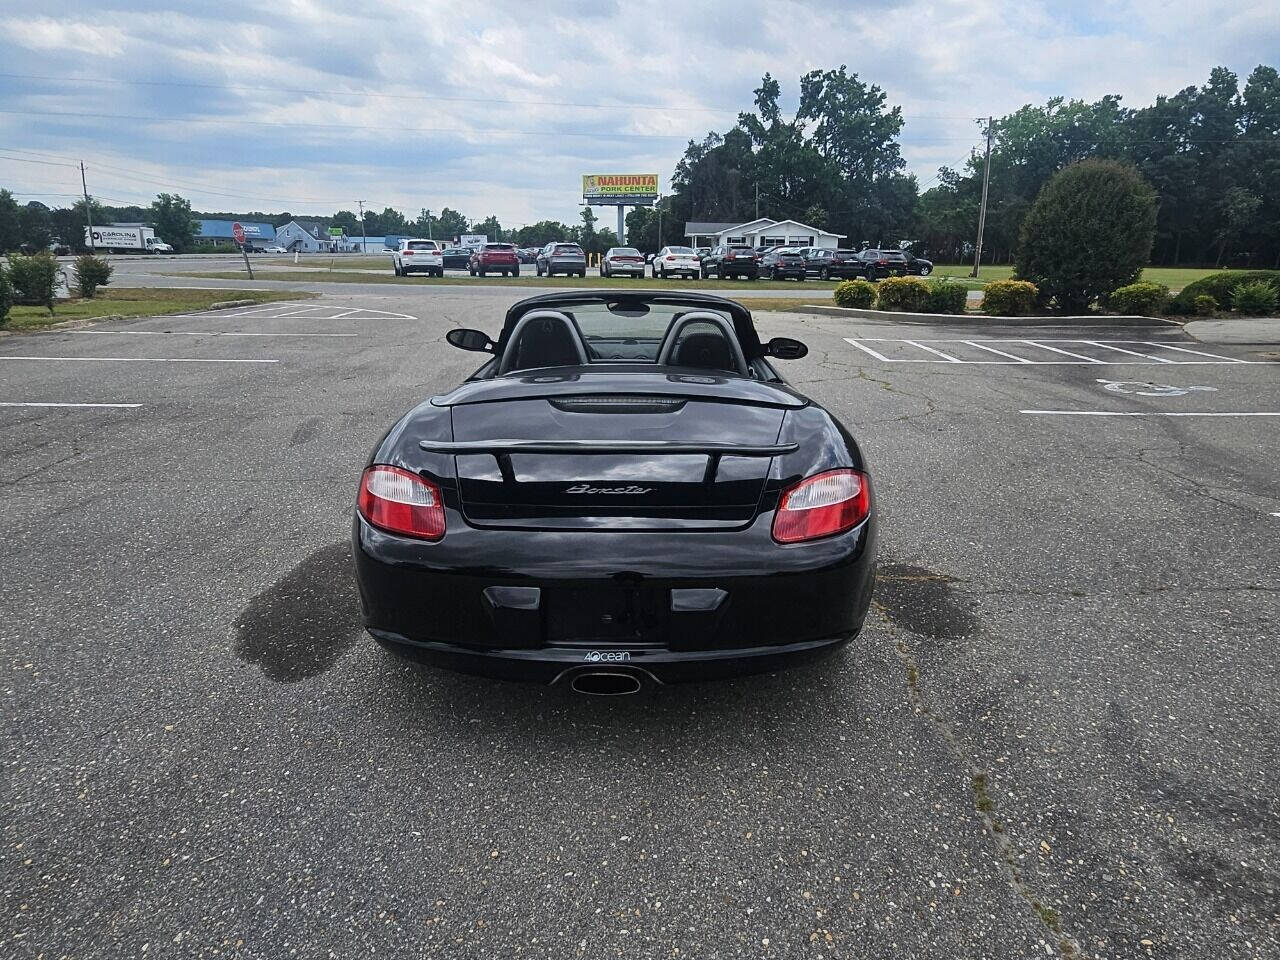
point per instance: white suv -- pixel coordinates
(421, 256)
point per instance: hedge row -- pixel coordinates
(1222, 287)
(909, 294)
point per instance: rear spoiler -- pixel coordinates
(711, 447)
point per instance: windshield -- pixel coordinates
(624, 252)
(498, 246)
(420, 245)
(567, 248)
(679, 249)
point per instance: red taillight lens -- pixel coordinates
(402, 502)
(822, 505)
(407, 253)
(670, 257)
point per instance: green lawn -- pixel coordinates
(345, 261)
(1175, 278)
(149, 302)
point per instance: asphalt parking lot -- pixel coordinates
(1057, 735)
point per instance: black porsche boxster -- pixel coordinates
(625, 492)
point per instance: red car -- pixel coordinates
(495, 258)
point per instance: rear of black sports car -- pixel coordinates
(606, 528)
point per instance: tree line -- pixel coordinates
(1211, 153)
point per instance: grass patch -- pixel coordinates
(150, 302)
(1175, 278)
(346, 261)
(527, 278)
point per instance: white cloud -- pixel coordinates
(469, 107)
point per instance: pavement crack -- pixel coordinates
(983, 804)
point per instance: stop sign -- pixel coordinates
(237, 231)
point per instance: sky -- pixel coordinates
(499, 108)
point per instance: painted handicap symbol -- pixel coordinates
(1142, 388)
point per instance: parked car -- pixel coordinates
(418, 256)
(918, 265)
(274, 249)
(566, 258)
(702, 252)
(827, 264)
(456, 258)
(882, 263)
(730, 262)
(678, 261)
(622, 261)
(781, 263)
(494, 258)
(723, 524)
(528, 254)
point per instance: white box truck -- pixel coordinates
(123, 238)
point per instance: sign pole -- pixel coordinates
(621, 239)
(245, 253)
(237, 234)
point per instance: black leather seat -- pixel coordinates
(545, 342)
(705, 351)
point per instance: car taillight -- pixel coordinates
(822, 505)
(407, 253)
(397, 500)
(670, 257)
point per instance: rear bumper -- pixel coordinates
(532, 604)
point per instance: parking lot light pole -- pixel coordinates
(364, 235)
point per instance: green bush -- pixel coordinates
(1139, 299)
(1088, 232)
(1257, 298)
(859, 294)
(6, 296)
(1009, 298)
(946, 297)
(1205, 305)
(1219, 286)
(90, 274)
(35, 279)
(903, 293)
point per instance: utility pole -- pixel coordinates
(757, 201)
(364, 236)
(658, 204)
(88, 209)
(982, 211)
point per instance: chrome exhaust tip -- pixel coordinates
(606, 683)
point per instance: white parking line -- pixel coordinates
(1133, 353)
(980, 346)
(1068, 353)
(206, 333)
(878, 356)
(1201, 353)
(118, 406)
(946, 356)
(143, 359)
(1150, 413)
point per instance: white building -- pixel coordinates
(764, 232)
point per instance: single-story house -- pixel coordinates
(256, 235)
(762, 232)
(307, 237)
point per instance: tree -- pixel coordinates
(540, 233)
(347, 221)
(34, 222)
(1088, 232)
(171, 216)
(489, 226)
(10, 223)
(68, 223)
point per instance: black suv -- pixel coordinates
(833, 264)
(730, 262)
(919, 265)
(882, 263)
(780, 263)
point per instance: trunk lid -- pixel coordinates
(635, 490)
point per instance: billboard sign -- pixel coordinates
(623, 189)
(472, 241)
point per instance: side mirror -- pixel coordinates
(476, 340)
(784, 348)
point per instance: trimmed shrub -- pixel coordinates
(860, 294)
(1257, 298)
(1219, 286)
(90, 274)
(1139, 299)
(6, 296)
(35, 279)
(903, 293)
(1009, 298)
(1204, 305)
(946, 297)
(1089, 231)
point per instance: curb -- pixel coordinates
(969, 320)
(229, 304)
(64, 325)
